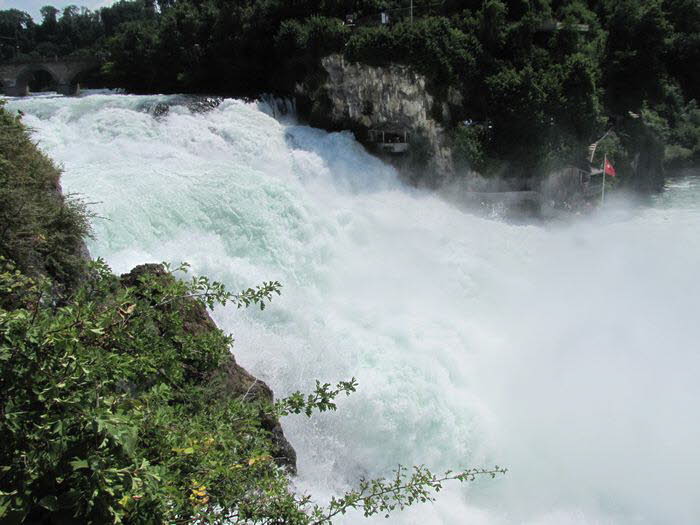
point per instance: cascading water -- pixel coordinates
(568, 353)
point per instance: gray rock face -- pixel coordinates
(238, 382)
(362, 97)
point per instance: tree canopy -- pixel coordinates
(541, 77)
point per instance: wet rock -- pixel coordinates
(238, 382)
(204, 104)
(160, 110)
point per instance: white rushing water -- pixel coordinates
(569, 353)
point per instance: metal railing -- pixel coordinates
(388, 136)
(390, 141)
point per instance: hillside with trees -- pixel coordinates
(541, 79)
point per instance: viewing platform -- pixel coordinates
(390, 141)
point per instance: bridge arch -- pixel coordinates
(63, 74)
(85, 76)
(29, 73)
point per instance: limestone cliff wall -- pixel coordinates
(361, 97)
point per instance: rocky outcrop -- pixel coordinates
(232, 379)
(360, 97)
(237, 382)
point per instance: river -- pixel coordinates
(567, 351)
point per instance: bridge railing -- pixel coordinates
(36, 58)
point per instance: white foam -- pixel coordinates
(567, 353)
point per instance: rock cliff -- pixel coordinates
(361, 97)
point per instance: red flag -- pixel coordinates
(609, 169)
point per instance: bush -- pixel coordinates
(108, 412)
(113, 412)
(40, 230)
(469, 144)
(300, 45)
(431, 45)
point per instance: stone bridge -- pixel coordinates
(15, 76)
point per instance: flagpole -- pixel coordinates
(605, 165)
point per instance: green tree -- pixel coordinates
(17, 33)
(637, 47)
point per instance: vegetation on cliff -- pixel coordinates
(40, 229)
(119, 399)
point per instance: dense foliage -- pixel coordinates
(105, 416)
(40, 229)
(535, 86)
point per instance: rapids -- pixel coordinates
(567, 352)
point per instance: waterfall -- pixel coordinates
(566, 352)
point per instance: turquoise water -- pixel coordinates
(681, 192)
(567, 352)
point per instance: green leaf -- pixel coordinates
(79, 464)
(9, 515)
(187, 451)
(49, 503)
